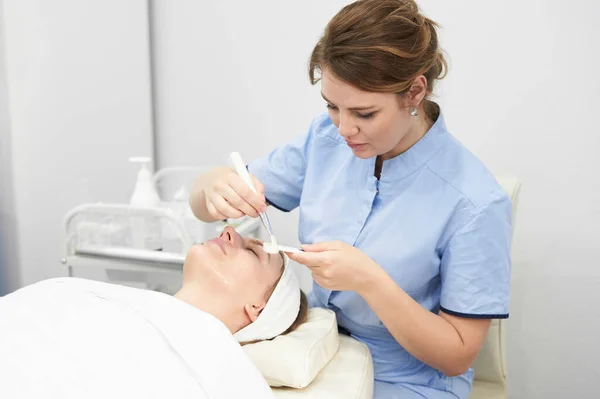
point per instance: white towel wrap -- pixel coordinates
(280, 311)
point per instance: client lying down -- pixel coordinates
(76, 338)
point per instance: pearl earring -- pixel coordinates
(414, 111)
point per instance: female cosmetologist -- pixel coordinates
(407, 232)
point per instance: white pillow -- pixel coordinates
(295, 359)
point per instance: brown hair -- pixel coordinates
(302, 314)
(381, 46)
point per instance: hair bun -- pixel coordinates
(380, 46)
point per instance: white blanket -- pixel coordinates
(75, 338)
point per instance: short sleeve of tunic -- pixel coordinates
(475, 265)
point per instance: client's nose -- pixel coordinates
(231, 236)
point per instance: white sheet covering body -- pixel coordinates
(75, 338)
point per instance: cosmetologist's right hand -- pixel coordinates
(228, 196)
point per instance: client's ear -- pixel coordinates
(253, 311)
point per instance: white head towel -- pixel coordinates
(280, 311)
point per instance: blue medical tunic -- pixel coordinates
(436, 221)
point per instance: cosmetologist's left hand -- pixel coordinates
(338, 266)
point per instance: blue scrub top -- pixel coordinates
(437, 221)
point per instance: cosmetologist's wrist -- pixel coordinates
(372, 280)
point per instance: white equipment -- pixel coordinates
(101, 242)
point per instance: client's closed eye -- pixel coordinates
(251, 247)
(256, 248)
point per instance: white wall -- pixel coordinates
(78, 76)
(232, 76)
(521, 93)
(9, 270)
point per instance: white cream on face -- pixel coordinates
(270, 248)
(221, 277)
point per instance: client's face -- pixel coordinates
(235, 267)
